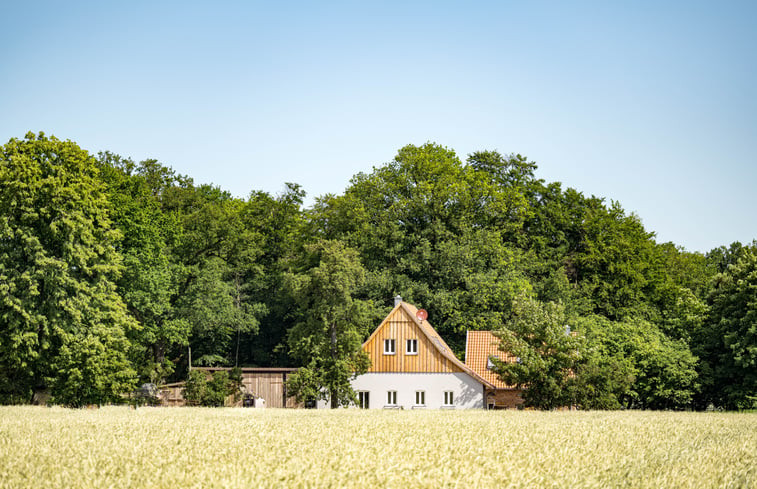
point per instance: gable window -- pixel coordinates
(363, 398)
(411, 347)
(391, 398)
(389, 347)
(420, 398)
(449, 398)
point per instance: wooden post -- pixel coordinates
(284, 390)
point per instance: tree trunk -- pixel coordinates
(334, 399)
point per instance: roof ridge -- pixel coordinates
(446, 351)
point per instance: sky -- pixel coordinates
(651, 104)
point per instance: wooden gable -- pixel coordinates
(400, 325)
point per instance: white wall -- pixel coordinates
(468, 392)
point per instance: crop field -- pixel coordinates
(236, 448)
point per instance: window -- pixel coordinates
(449, 398)
(412, 347)
(363, 399)
(389, 347)
(391, 398)
(420, 398)
(490, 363)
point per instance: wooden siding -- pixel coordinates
(269, 386)
(267, 383)
(400, 327)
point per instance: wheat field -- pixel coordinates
(117, 447)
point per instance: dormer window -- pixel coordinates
(490, 364)
(411, 347)
(389, 347)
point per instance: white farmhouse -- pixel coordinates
(413, 368)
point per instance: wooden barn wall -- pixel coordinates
(268, 385)
(171, 395)
(400, 327)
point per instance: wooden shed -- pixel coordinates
(268, 383)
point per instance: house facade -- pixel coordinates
(480, 348)
(413, 368)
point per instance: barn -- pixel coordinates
(263, 387)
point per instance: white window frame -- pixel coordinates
(449, 399)
(363, 399)
(390, 342)
(420, 399)
(411, 347)
(391, 398)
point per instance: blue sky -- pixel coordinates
(652, 104)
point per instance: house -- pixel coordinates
(480, 348)
(413, 368)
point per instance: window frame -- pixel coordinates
(390, 342)
(364, 399)
(422, 395)
(414, 343)
(449, 396)
(391, 398)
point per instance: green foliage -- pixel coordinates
(662, 369)
(64, 324)
(728, 339)
(548, 356)
(433, 229)
(110, 269)
(213, 392)
(328, 336)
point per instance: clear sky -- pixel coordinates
(652, 104)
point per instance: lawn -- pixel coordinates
(245, 448)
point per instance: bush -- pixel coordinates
(199, 391)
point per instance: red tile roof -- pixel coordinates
(479, 347)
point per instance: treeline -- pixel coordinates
(112, 271)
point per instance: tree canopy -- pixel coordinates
(112, 270)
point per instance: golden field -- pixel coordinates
(246, 448)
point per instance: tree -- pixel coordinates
(434, 229)
(657, 372)
(152, 277)
(201, 391)
(548, 355)
(186, 252)
(63, 322)
(728, 340)
(328, 336)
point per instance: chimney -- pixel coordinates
(397, 300)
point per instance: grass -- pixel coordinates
(237, 448)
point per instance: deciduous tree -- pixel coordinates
(63, 323)
(329, 334)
